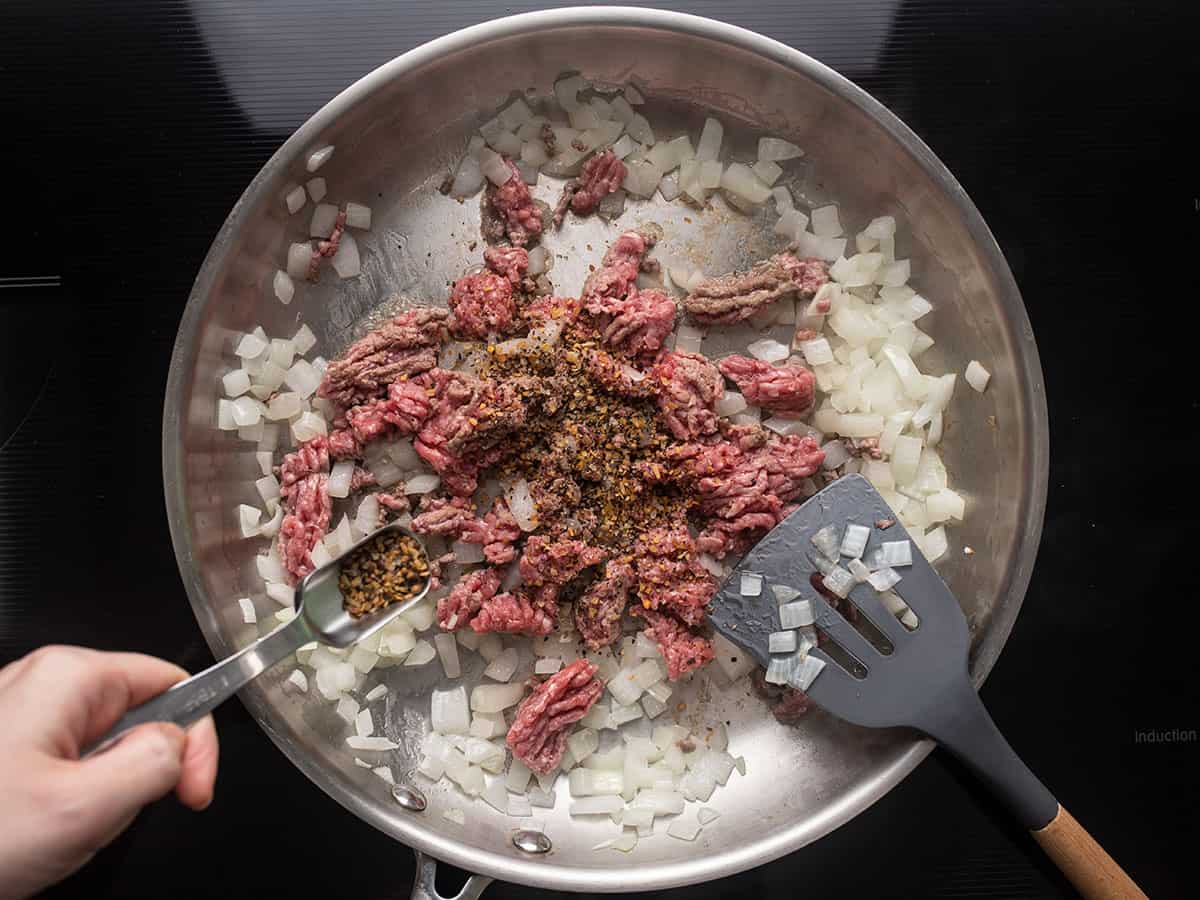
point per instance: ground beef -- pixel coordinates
(743, 481)
(639, 323)
(308, 512)
(498, 532)
(682, 650)
(393, 502)
(689, 386)
(785, 389)
(556, 562)
(511, 262)
(738, 295)
(456, 609)
(787, 704)
(445, 516)
(618, 272)
(327, 248)
(602, 174)
(309, 458)
(513, 203)
(401, 413)
(470, 416)
(483, 304)
(598, 611)
(552, 309)
(616, 376)
(553, 491)
(669, 577)
(530, 611)
(539, 734)
(405, 346)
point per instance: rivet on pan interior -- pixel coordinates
(409, 797)
(531, 841)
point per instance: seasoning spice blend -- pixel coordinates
(389, 568)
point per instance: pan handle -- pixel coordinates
(425, 887)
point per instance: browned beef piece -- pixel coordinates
(731, 298)
(405, 346)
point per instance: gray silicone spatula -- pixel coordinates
(900, 676)
(320, 616)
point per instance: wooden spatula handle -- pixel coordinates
(1094, 873)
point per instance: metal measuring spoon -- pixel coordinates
(320, 616)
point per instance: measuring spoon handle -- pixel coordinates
(194, 698)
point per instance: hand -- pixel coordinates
(56, 810)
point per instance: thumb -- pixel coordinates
(140, 768)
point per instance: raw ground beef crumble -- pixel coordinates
(631, 472)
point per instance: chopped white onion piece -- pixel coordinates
(547, 665)
(751, 585)
(740, 180)
(248, 519)
(380, 690)
(808, 670)
(775, 149)
(639, 129)
(583, 743)
(781, 642)
(826, 540)
(838, 581)
(450, 714)
(377, 744)
(504, 666)
(488, 725)
(298, 257)
(490, 646)
(883, 579)
(283, 286)
(733, 660)
(317, 189)
(622, 713)
(447, 651)
(709, 147)
(496, 697)
(249, 616)
(945, 505)
(977, 376)
(768, 350)
(521, 505)
(895, 553)
(358, 215)
(826, 224)
(323, 219)
(467, 553)
(319, 157)
(784, 593)
(235, 383)
(298, 680)
(421, 654)
(340, 477)
(906, 455)
(652, 706)
(660, 802)
(859, 570)
(836, 453)
(767, 171)
(854, 540)
(468, 178)
(796, 615)
(595, 806)
(346, 261)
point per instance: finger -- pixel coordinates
(79, 694)
(195, 788)
(142, 766)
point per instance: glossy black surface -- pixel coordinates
(132, 127)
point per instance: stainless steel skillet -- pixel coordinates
(397, 132)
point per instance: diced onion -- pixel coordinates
(316, 189)
(775, 149)
(358, 215)
(739, 179)
(495, 697)
(447, 651)
(346, 261)
(796, 615)
(249, 616)
(283, 286)
(838, 581)
(450, 714)
(504, 666)
(977, 376)
(421, 654)
(768, 350)
(298, 257)
(709, 147)
(825, 222)
(751, 585)
(422, 484)
(521, 505)
(781, 642)
(883, 579)
(323, 219)
(319, 157)
(854, 540)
